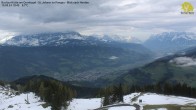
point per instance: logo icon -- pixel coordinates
(187, 8)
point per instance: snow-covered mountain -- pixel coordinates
(5, 36)
(60, 38)
(44, 39)
(127, 39)
(170, 42)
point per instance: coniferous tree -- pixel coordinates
(42, 91)
(120, 93)
(53, 92)
(106, 99)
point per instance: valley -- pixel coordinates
(98, 55)
(69, 57)
(94, 73)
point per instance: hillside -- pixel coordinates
(82, 91)
(178, 68)
(9, 100)
(131, 101)
(36, 92)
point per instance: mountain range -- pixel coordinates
(54, 71)
(69, 56)
(170, 42)
(97, 61)
(62, 38)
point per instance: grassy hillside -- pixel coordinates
(163, 70)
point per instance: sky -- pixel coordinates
(135, 18)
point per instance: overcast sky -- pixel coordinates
(137, 18)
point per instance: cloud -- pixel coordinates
(138, 18)
(184, 61)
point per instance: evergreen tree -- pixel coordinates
(51, 91)
(106, 99)
(42, 91)
(120, 93)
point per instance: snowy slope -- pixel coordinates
(10, 101)
(5, 36)
(128, 98)
(43, 39)
(85, 104)
(122, 108)
(158, 99)
(147, 99)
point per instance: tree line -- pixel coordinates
(53, 92)
(114, 94)
(2, 83)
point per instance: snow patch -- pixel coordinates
(85, 104)
(147, 99)
(122, 108)
(159, 109)
(10, 101)
(6, 36)
(158, 99)
(128, 98)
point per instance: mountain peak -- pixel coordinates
(5, 36)
(42, 39)
(174, 36)
(169, 42)
(118, 38)
(64, 38)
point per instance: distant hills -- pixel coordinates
(81, 91)
(69, 56)
(170, 42)
(177, 68)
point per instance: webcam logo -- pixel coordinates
(187, 8)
